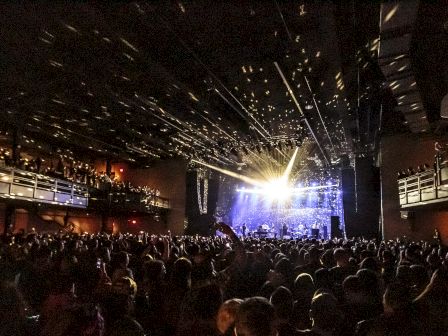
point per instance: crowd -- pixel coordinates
(163, 285)
(78, 172)
(411, 171)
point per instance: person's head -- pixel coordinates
(404, 274)
(267, 289)
(369, 263)
(303, 286)
(352, 289)
(122, 259)
(284, 269)
(313, 255)
(324, 311)
(397, 297)
(92, 244)
(154, 271)
(342, 257)
(227, 314)
(388, 257)
(434, 261)
(369, 283)
(413, 253)
(255, 317)
(327, 259)
(322, 278)
(182, 271)
(206, 301)
(125, 286)
(283, 302)
(301, 257)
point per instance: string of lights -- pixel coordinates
(202, 179)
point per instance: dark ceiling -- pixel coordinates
(212, 80)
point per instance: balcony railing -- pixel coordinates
(20, 184)
(29, 186)
(430, 186)
(417, 188)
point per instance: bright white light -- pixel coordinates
(277, 189)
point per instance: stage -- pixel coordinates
(301, 215)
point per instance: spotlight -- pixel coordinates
(277, 189)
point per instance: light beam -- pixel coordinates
(290, 166)
(232, 174)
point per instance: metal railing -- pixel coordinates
(419, 188)
(21, 184)
(30, 186)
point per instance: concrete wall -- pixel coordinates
(399, 152)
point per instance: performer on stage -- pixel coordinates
(284, 230)
(243, 230)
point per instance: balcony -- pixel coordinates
(137, 202)
(33, 187)
(125, 201)
(28, 186)
(428, 187)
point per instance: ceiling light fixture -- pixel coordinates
(308, 107)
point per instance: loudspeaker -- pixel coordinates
(315, 233)
(336, 231)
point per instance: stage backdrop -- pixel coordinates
(311, 209)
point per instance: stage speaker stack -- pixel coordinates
(361, 198)
(336, 231)
(325, 233)
(315, 233)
